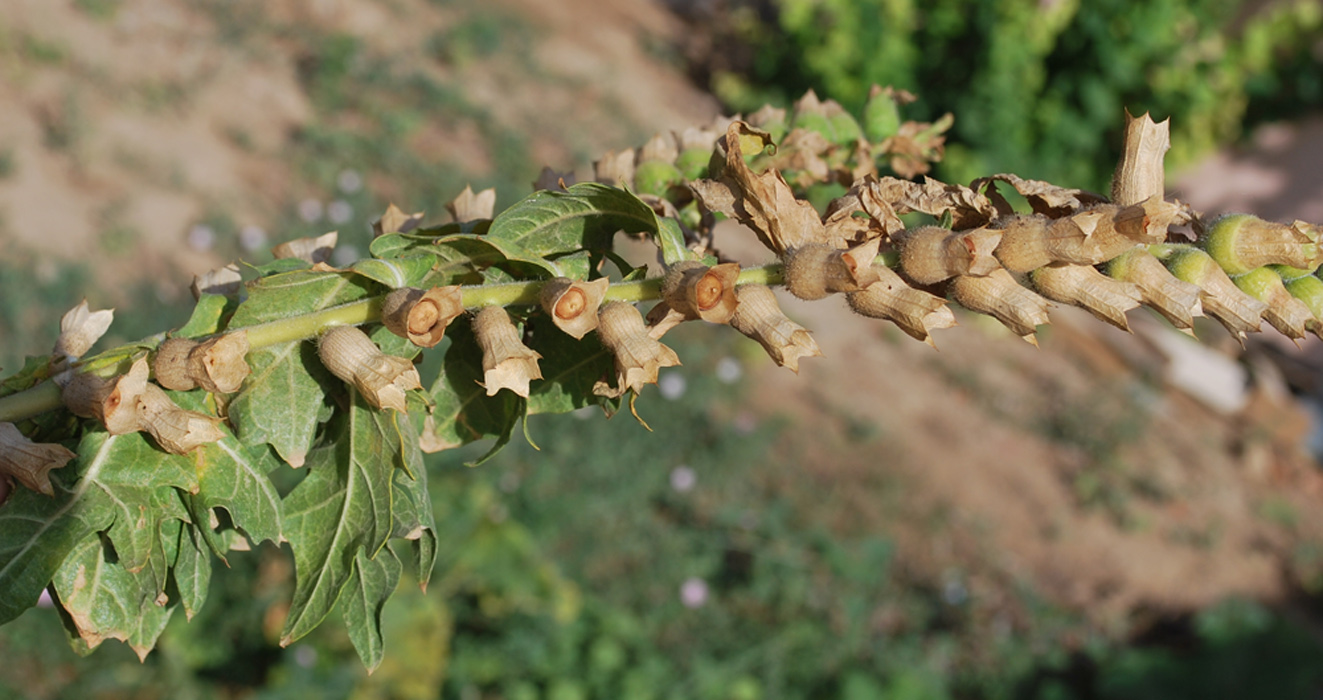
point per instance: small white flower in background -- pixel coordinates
(310, 210)
(305, 656)
(693, 592)
(44, 601)
(345, 255)
(683, 478)
(252, 237)
(672, 385)
(201, 238)
(339, 212)
(349, 181)
(729, 370)
(584, 413)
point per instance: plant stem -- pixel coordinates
(46, 396)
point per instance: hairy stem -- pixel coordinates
(46, 396)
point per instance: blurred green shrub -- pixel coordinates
(1038, 86)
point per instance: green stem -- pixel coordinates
(46, 396)
(29, 402)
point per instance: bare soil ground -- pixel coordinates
(1075, 470)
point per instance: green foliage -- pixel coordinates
(1039, 86)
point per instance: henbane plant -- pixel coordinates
(132, 468)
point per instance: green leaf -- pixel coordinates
(299, 292)
(373, 582)
(234, 477)
(671, 240)
(37, 533)
(139, 480)
(411, 505)
(207, 316)
(462, 411)
(283, 400)
(394, 245)
(192, 569)
(508, 255)
(584, 217)
(341, 508)
(408, 271)
(103, 600)
(570, 368)
(35, 370)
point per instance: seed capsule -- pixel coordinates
(814, 270)
(915, 311)
(1176, 300)
(701, 292)
(113, 402)
(572, 304)
(1082, 285)
(638, 356)
(30, 462)
(1290, 316)
(217, 365)
(930, 254)
(1218, 295)
(1242, 242)
(759, 317)
(421, 316)
(171, 364)
(1000, 296)
(382, 379)
(175, 430)
(506, 362)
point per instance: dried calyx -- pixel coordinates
(111, 401)
(382, 379)
(175, 430)
(420, 315)
(506, 362)
(217, 365)
(915, 311)
(28, 462)
(931, 254)
(759, 317)
(999, 295)
(573, 304)
(638, 357)
(1082, 285)
(814, 270)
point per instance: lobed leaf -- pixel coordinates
(104, 600)
(283, 400)
(374, 580)
(341, 508)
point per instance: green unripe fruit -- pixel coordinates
(881, 117)
(845, 130)
(693, 163)
(1308, 289)
(655, 177)
(1260, 283)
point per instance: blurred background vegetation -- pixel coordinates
(701, 560)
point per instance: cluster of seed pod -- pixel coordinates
(1076, 248)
